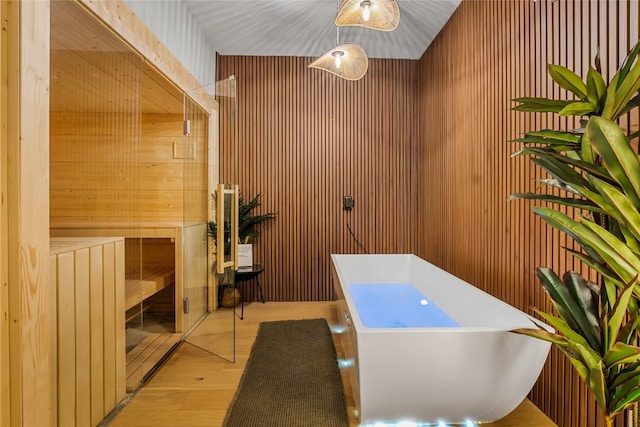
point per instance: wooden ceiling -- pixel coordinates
(94, 71)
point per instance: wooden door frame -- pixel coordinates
(27, 183)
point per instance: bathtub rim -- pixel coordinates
(530, 321)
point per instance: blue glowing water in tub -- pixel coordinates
(396, 305)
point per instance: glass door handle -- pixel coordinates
(233, 262)
(235, 208)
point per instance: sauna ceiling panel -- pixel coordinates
(94, 71)
(306, 27)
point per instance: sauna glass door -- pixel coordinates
(194, 149)
(216, 334)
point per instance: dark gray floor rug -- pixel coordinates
(291, 379)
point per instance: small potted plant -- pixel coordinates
(248, 222)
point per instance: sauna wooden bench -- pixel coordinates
(151, 280)
(140, 285)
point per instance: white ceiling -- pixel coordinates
(306, 27)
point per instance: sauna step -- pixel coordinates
(145, 356)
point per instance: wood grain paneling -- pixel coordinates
(121, 167)
(5, 407)
(424, 149)
(28, 203)
(307, 138)
(89, 335)
(489, 53)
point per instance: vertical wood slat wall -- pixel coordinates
(5, 402)
(489, 53)
(88, 331)
(430, 168)
(306, 139)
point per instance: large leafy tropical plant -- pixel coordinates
(594, 170)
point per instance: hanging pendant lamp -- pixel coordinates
(348, 61)
(381, 15)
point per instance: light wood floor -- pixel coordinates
(194, 387)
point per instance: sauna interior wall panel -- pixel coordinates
(307, 138)
(102, 171)
(489, 53)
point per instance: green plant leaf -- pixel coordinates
(586, 294)
(619, 206)
(247, 221)
(621, 162)
(625, 69)
(578, 108)
(587, 154)
(580, 367)
(540, 105)
(610, 100)
(563, 186)
(596, 86)
(624, 401)
(541, 152)
(561, 171)
(624, 394)
(574, 229)
(543, 335)
(597, 198)
(627, 333)
(597, 384)
(628, 83)
(565, 201)
(618, 313)
(570, 137)
(587, 260)
(560, 325)
(620, 258)
(633, 103)
(568, 80)
(574, 302)
(633, 136)
(621, 353)
(631, 240)
(629, 371)
(600, 268)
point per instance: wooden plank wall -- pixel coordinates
(5, 407)
(489, 53)
(28, 204)
(120, 167)
(87, 282)
(306, 138)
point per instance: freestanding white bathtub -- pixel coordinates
(424, 346)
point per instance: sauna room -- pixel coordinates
(132, 129)
(121, 167)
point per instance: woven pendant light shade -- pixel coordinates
(384, 15)
(351, 65)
